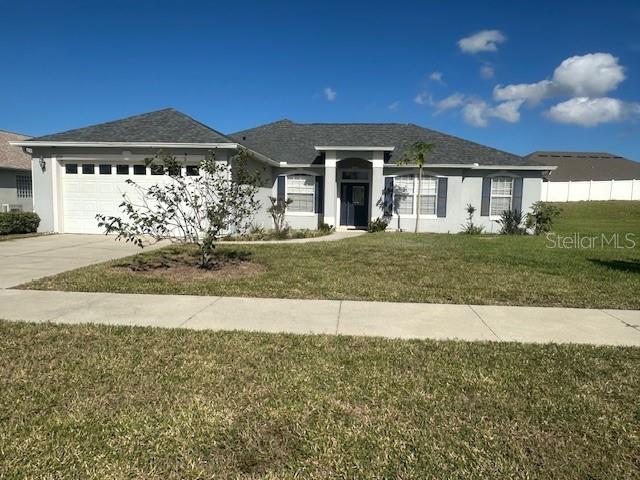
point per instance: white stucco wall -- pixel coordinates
(465, 188)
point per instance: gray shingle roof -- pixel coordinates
(10, 156)
(582, 166)
(168, 126)
(290, 142)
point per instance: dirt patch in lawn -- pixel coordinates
(186, 268)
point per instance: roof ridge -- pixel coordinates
(199, 123)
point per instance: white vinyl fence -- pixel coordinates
(590, 190)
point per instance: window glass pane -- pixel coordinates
(357, 195)
(71, 168)
(139, 170)
(501, 192)
(23, 186)
(301, 189)
(105, 169)
(193, 170)
(427, 204)
(403, 192)
(429, 186)
(302, 202)
(157, 170)
(122, 169)
(501, 186)
(355, 176)
(88, 169)
(499, 205)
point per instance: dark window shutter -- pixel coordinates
(486, 197)
(441, 206)
(388, 196)
(319, 194)
(516, 200)
(281, 193)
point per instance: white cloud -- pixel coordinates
(531, 92)
(487, 71)
(474, 113)
(483, 41)
(423, 98)
(330, 94)
(394, 105)
(590, 75)
(477, 112)
(589, 112)
(452, 101)
(436, 77)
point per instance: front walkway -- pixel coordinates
(337, 235)
(392, 320)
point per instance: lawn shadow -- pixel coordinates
(632, 266)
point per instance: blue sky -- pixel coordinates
(234, 66)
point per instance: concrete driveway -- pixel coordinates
(25, 259)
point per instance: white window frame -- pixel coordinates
(493, 216)
(24, 186)
(313, 200)
(414, 196)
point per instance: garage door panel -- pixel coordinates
(85, 196)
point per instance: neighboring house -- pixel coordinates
(588, 176)
(15, 174)
(339, 174)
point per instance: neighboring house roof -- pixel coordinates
(582, 166)
(168, 126)
(294, 143)
(10, 156)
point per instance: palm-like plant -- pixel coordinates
(417, 154)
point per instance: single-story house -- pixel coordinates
(339, 174)
(15, 174)
(583, 176)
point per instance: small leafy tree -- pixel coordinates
(541, 217)
(417, 154)
(471, 228)
(511, 223)
(188, 209)
(278, 210)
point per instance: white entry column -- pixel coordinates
(377, 185)
(330, 187)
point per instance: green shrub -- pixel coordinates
(378, 225)
(511, 223)
(325, 227)
(19, 222)
(541, 217)
(471, 228)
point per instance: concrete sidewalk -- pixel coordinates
(392, 320)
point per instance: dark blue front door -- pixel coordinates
(354, 204)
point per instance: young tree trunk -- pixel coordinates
(418, 199)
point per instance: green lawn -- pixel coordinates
(101, 402)
(405, 267)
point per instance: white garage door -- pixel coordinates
(90, 189)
